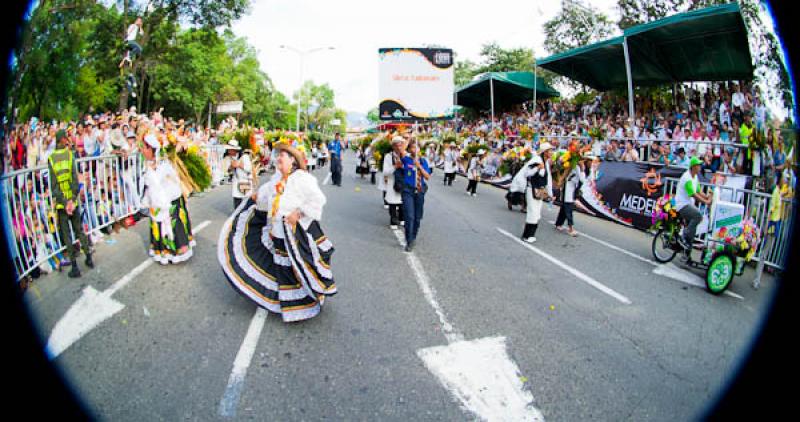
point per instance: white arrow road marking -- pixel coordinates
(86, 313)
(230, 400)
(479, 373)
(578, 274)
(92, 308)
(666, 270)
(483, 378)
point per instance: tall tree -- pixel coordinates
(575, 26)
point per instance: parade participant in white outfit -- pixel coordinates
(474, 172)
(171, 239)
(393, 198)
(450, 164)
(242, 175)
(273, 250)
(538, 190)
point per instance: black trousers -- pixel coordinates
(395, 214)
(530, 231)
(64, 220)
(449, 178)
(565, 213)
(336, 170)
(472, 187)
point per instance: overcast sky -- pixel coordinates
(358, 28)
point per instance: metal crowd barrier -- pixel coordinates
(109, 192)
(214, 155)
(772, 251)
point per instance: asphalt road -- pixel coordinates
(582, 353)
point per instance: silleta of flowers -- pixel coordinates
(664, 213)
(564, 161)
(741, 242)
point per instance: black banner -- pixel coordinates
(627, 192)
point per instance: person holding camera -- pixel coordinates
(539, 189)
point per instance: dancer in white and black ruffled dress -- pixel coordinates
(273, 250)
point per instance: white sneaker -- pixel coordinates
(386, 207)
(393, 226)
(474, 194)
(403, 223)
(530, 240)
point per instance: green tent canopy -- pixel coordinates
(701, 45)
(509, 88)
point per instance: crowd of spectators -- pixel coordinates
(717, 125)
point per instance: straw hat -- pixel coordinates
(298, 155)
(233, 144)
(544, 147)
(398, 139)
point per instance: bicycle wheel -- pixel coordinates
(720, 273)
(663, 251)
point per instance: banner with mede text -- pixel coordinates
(415, 83)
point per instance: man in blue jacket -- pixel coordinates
(335, 150)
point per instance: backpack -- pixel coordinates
(398, 177)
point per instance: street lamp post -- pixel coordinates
(302, 54)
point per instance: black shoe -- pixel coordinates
(89, 263)
(74, 272)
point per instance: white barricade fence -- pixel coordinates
(109, 192)
(772, 250)
(214, 155)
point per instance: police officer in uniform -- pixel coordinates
(64, 186)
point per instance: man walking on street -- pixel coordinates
(64, 184)
(335, 150)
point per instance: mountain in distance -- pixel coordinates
(356, 119)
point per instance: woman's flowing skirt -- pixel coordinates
(290, 276)
(179, 248)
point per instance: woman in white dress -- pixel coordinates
(273, 250)
(538, 190)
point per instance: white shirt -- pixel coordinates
(133, 32)
(301, 192)
(243, 174)
(682, 198)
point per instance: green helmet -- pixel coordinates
(61, 134)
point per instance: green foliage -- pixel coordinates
(574, 27)
(197, 168)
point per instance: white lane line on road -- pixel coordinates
(430, 295)
(670, 271)
(478, 373)
(233, 392)
(614, 247)
(581, 276)
(327, 179)
(92, 308)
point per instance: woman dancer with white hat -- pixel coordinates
(539, 189)
(474, 172)
(171, 239)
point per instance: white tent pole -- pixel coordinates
(491, 97)
(631, 114)
(535, 88)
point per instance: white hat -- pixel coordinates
(398, 139)
(233, 144)
(481, 151)
(152, 141)
(544, 147)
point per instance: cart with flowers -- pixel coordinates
(728, 242)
